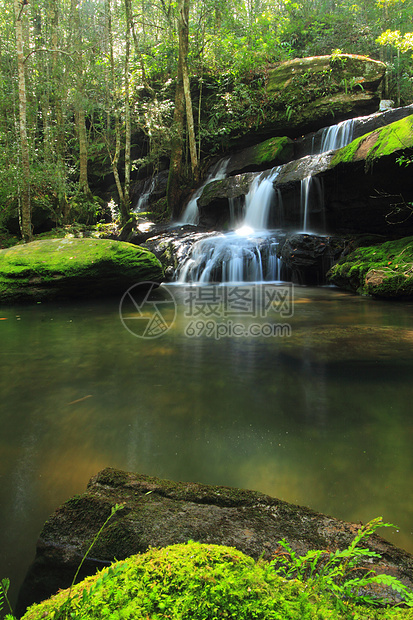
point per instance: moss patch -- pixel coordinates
(195, 581)
(387, 140)
(60, 268)
(384, 270)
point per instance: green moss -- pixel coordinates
(273, 149)
(57, 268)
(195, 581)
(384, 270)
(378, 143)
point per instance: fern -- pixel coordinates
(333, 571)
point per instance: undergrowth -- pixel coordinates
(195, 581)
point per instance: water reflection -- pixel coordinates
(321, 418)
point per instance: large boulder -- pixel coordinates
(309, 93)
(72, 268)
(384, 270)
(158, 513)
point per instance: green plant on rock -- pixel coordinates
(338, 573)
(4, 588)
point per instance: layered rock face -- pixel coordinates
(360, 184)
(158, 513)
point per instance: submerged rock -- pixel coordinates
(73, 268)
(384, 270)
(158, 513)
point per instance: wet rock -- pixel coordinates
(262, 156)
(309, 257)
(359, 188)
(158, 513)
(173, 246)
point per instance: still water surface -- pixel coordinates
(322, 417)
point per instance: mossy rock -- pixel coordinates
(197, 581)
(73, 268)
(271, 152)
(384, 270)
(397, 136)
(343, 69)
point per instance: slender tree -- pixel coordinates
(25, 208)
(182, 100)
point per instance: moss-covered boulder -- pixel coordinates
(158, 513)
(73, 268)
(384, 270)
(195, 581)
(343, 70)
(305, 94)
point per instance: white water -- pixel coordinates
(250, 253)
(337, 136)
(311, 199)
(259, 199)
(143, 201)
(332, 138)
(247, 254)
(218, 172)
(232, 258)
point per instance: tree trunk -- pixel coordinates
(25, 208)
(182, 97)
(82, 137)
(57, 99)
(183, 51)
(127, 109)
(80, 115)
(173, 191)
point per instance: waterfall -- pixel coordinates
(305, 193)
(147, 190)
(248, 254)
(232, 258)
(259, 199)
(337, 136)
(217, 173)
(312, 193)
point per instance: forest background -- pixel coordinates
(98, 94)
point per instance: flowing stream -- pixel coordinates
(319, 415)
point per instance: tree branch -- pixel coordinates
(43, 49)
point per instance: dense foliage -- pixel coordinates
(203, 582)
(100, 78)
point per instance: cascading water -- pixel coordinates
(311, 195)
(143, 201)
(332, 138)
(217, 173)
(248, 254)
(337, 136)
